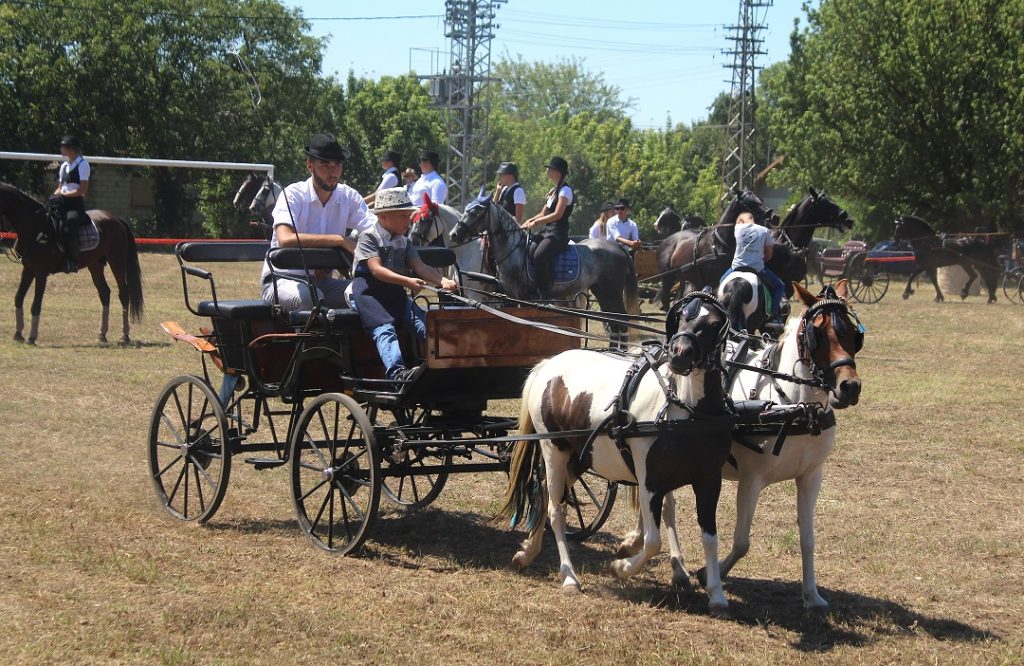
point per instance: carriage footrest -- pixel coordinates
(265, 463)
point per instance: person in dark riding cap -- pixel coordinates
(389, 162)
(72, 188)
(554, 220)
(508, 193)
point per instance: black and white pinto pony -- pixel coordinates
(434, 221)
(742, 294)
(819, 349)
(576, 390)
(931, 251)
(605, 270)
(261, 192)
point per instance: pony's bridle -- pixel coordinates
(807, 342)
(435, 225)
(689, 308)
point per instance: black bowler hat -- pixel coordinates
(607, 206)
(325, 147)
(71, 141)
(430, 156)
(509, 168)
(622, 203)
(392, 156)
(559, 164)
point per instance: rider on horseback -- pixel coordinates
(555, 219)
(753, 248)
(69, 197)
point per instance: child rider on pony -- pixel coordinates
(753, 249)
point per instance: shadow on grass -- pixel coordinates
(853, 620)
(134, 344)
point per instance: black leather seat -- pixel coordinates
(236, 309)
(335, 319)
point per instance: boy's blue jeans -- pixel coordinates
(386, 337)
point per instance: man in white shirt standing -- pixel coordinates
(623, 230)
(316, 212)
(430, 182)
(389, 162)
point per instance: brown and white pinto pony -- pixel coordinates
(577, 390)
(822, 341)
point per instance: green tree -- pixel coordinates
(906, 106)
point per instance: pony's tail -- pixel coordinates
(526, 498)
(133, 275)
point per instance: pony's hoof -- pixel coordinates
(681, 581)
(907, 294)
(939, 299)
(618, 569)
(991, 300)
(102, 339)
(31, 341)
(126, 341)
(718, 608)
(963, 296)
(18, 337)
(702, 576)
(571, 589)
(815, 604)
(519, 561)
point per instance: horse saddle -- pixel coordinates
(566, 268)
(88, 233)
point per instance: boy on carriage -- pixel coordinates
(384, 258)
(753, 248)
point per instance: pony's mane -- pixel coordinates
(25, 200)
(503, 215)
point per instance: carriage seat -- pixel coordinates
(237, 310)
(335, 319)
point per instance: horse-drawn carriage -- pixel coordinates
(305, 389)
(867, 270)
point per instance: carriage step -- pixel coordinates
(265, 463)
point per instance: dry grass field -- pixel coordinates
(920, 525)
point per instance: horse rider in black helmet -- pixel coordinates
(72, 188)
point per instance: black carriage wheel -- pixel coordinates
(1012, 284)
(335, 473)
(189, 449)
(403, 487)
(1020, 289)
(591, 500)
(868, 283)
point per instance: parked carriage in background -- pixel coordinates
(867, 270)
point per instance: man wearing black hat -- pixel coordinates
(623, 230)
(317, 212)
(430, 182)
(72, 188)
(508, 193)
(554, 220)
(389, 161)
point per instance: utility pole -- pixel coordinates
(740, 162)
(469, 27)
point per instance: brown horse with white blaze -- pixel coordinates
(40, 258)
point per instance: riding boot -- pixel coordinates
(71, 251)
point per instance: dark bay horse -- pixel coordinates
(703, 255)
(257, 195)
(605, 270)
(40, 258)
(669, 222)
(974, 255)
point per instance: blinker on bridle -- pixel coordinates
(689, 308)
(807, 340)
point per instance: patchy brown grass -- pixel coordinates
(919, 528)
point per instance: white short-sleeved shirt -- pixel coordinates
(429, 183)
(751, 242)
(518, 197)
(622, 228)
(388, 179)
(84, 171)
(595, 230)
(344, 211)
(565, 193)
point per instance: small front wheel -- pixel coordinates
(189, 449)
(591, 500)
(335, 473)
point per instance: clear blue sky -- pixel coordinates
(664, 54)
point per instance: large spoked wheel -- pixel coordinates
(868, 284)
(591, 500)
(406, 486)
(189, 449)
(1012, 282)
(335, 473)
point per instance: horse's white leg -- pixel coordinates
(680, 577)
(807, 487)
(633, 541)
(556, 463)
(626, 567)
(707, 492)
(748, 491)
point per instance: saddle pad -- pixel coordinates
(88, 236)
(567, 266)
